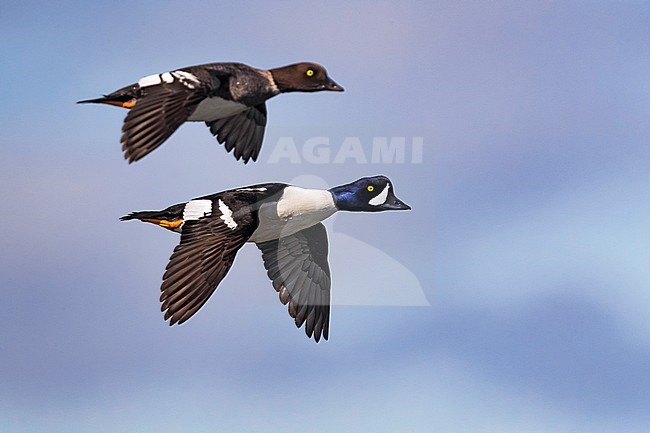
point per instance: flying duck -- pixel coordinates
(228, 97)
(284, 221)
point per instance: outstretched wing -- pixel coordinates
(297, 265)
(160, 110)
(243, 132)
(202, 259)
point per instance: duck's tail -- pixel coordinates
(124, 101)
(125, 97)
(170, 218)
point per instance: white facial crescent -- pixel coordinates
(380, 198)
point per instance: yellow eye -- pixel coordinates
(371, 188)
(309, 72)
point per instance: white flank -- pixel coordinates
(227, 215)
(196, 209)
(149, 80)
(381, 197)
(297, 202)
(297, 209)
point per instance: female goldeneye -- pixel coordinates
(228, 97)
(285, 223)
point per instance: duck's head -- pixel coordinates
(368, 194)
(303, 77)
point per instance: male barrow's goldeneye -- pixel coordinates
(285, 223)
(228, 97)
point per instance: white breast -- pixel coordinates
(296, 210)
(215, 108)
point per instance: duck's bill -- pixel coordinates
(393, 203)
(333, 86)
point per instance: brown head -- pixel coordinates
(303, 77)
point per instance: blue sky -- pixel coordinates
(514, 297)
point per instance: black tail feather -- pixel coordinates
(101, 100)
(140, 215)
(108, 99)
(118, 97)
(171, 213)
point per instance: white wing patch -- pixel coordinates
(185, 78)
(381, 197)
(150, 80)
(167, 77)
(252, 189)
(196, 209)
(227, 215)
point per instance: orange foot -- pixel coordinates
(129, 104)
(171, 225)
